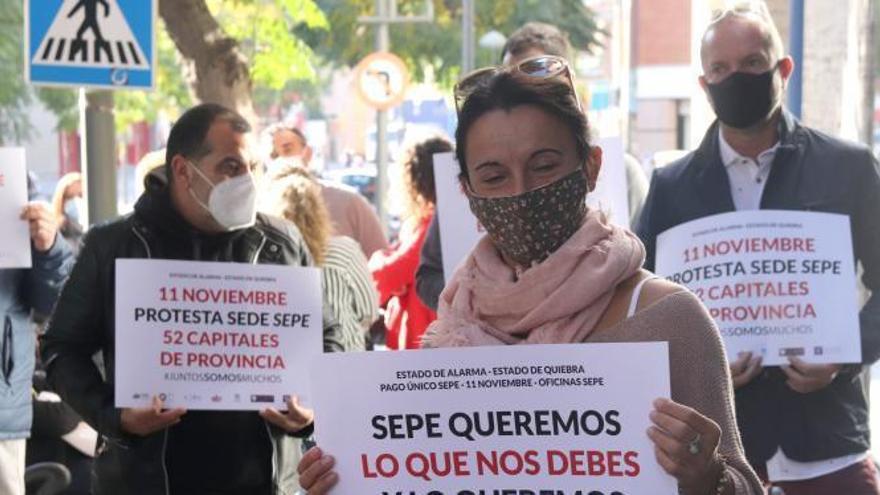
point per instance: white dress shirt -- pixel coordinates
(747, 177)
(747, 181)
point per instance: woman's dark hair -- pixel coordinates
(507, 89)
(418, 170)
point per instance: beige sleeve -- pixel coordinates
(701, 380)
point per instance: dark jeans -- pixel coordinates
(858, 479)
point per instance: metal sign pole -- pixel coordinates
(467, 37)
(386, 14)
(382, 45)
(98, 155)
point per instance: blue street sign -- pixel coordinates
(90, 43)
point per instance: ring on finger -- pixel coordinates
(694, 446)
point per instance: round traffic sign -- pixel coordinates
(381, 79)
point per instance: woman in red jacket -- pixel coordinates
(394, 270)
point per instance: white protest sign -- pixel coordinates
(524, 420)
(15, 250)
(611, 194)
(221, 336)
(778, 283)
(460, 230)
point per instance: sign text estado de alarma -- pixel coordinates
(513, 420)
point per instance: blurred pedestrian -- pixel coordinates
(804, 426)
(351, 214)
(550, 270)
(394, 270)
(68, 207)
(25, 293)
(295, 195)
(205, 212)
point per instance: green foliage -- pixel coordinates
(63, 103)
(171, 95)
(571, 16)
(437, 46)
(264, 28)
(310, 92)
(14, 94)
(283, 39)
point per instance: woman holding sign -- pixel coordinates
(552, 271)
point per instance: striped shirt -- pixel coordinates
(349, 291)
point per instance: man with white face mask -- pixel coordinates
(205, 212)
(351, 214)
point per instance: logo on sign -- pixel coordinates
(792, 351)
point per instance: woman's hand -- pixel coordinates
(316, 475)
(686, 445)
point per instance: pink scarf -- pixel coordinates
(557, 301)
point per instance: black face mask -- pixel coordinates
(742, 99)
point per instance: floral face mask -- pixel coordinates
(529, 227)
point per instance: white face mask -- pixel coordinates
(73, 209)
(283, 163)
(232, 203)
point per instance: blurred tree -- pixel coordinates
(217, 51)
(170, 96)
(172, 90)
(220, 50)
(14, 93)
(436, 47)
(229, 45)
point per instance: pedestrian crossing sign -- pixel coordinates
(90, 43)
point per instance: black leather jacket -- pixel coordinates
(83, 324)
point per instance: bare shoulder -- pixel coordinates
(678, 304)
(657, 289)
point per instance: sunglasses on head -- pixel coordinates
(541, 67)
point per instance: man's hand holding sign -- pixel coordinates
(144, 421)
(214, 336)
(779, 285)
(745, 368)
(805, 378)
